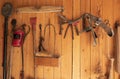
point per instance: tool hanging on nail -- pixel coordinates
(41, 48)
(71, 23)
(19, 36)
(95, 22)
(50, 26)
(6, 12)
(91, 19)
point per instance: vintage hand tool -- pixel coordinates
(33, 21)
(6, 12)
(93, 21)
(70, 23)
(98, 22)
(50, 26)
(19, 36)
(41, 48)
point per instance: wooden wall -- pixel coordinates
(79, 59)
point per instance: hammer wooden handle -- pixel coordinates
(118, 47)
(111, 68)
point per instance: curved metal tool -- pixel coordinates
(71, 23)
(98, 22)
(49, 25)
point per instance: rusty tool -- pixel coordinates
(33, 24)
(41, 48)
(70, 23)
(6, 12)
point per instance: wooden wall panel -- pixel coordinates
(85, 44)
(96, 63)
(76, 43)
(79, 59)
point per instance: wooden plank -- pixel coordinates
(16, 66)
(47, 61)
(116, 17)
(76, 43)
(67, 44)
(42, 9)
(108, 52)
(58, 45)
(41, 20)
(50, 41)
(96, 63)
(85, 45)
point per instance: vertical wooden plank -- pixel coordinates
(28, 55)
(96, 63)
(85, 42)
(107, 14)
(76, 42)
(116, 17)
(48, 71)
(39, 70)
(58, 46)
(16, 66)
(66, 58)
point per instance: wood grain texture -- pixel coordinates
(76, 43)
(79, 59)
(85, 42)
(96, 70)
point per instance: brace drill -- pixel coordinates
(91, 19)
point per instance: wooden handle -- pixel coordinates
(118, 47)
(111, 68)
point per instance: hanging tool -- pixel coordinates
(33, 24)
(6, 12)
(71, 23)
(117, 24)
(13, 23)
(98, 22)
(50, 26)
(41, 48)
(93, 22)
(19, 36)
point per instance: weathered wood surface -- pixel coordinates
(79, 59)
